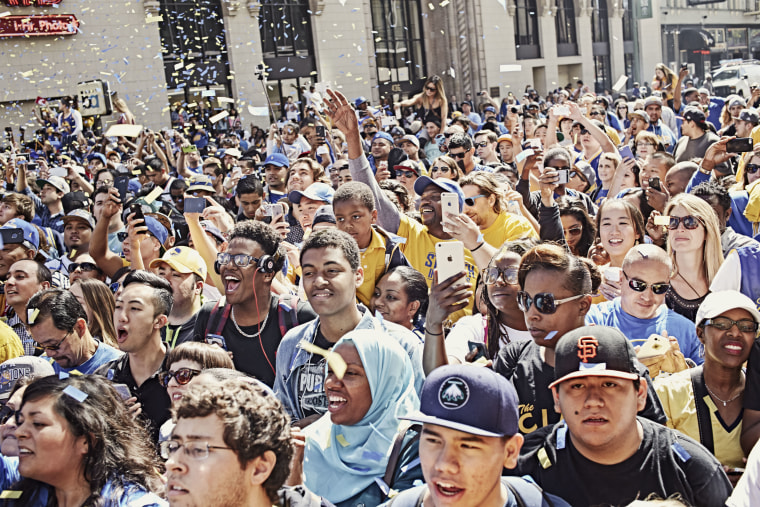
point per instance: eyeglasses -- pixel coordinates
(642, 145)
(494, 274)
(576, 174)
(194, 450)
(447, 135)
(690, 222)
(442, 170)
(458, 155)
(84, 266)
(622, 107)
(574, 231)
(182, 376)
(44, 348)
(752, 168)
(240, 260)
(6, 413)
(481, 144)
(724, 324)
(405, 174)
(640, 286)
(544, 301)
(470, 201)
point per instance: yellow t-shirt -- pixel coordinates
(677, 397)
(373, 263)
(419, 250)
(508, 227)
(10, 344)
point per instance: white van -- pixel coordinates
(736, 78)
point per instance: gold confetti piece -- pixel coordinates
(32, 316)
(10, 494)
(153, 195)
(342, 440)
(336, 363)
(543, 458)
(154, 19)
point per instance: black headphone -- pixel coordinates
(264, 264)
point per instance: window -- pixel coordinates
(627, 21)
(602, 73)
(285, 27)
(399, 45)
(599, 21)
(527, 39)
(565, 24)
(193, 35)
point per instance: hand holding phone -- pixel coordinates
(138, 216)
(739, 145)
(449, 207)
(449, 259)
(194, 204)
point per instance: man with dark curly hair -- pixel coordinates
(231, 446)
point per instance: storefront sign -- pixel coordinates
(24, 26)
(29, 3)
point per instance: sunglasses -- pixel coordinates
(481, 144)
(752, 168)
(544, 301)
(442, 170)
(574, 231)
(458, 155)
(584, 131)
(724, 324)
(182, 376)
(122, 236)
(405, 174)
(430, 89)
(640, 286)
(6, 413)
(84, 266)
(690, 222)
(448, 135)
(44, 348)
(576, 174)
(470, 201)
(494, 274)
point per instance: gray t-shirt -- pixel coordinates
(686, 148)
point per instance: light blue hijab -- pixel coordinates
(341, 461)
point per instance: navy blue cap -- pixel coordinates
(468, 398)
(490, 109)
(277, 159)
(444, 184)
(384, 135)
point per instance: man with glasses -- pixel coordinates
(640, 309)
(407, 173)
(250, 317)
(485, 145)
(485, 205)
(653, 107)
(142, 310)
(77, 233)
(448, 132)
(231, 446)
(462, 150)
(58, 324)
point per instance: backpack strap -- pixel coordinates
(396, 451)
(220, 312)
(703, 411)
(526, 491)
(290, 309)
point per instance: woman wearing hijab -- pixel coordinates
(348, 449)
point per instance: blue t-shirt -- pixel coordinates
(610, 313)
(132, 496)
(104, 354)
(8, 472)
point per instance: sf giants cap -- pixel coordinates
(594, 351)
(468, 398)
(24, 366)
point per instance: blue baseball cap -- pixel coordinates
(277, 159)
(359, 101)
(490, 109)
(29, 236)
(444, 184)
(468, 398)
(316, 191)
(384, 135)
(98, 156)
(157, 230)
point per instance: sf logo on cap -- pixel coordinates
(587, 346)
(454, 393)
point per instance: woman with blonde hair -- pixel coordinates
(125, 115)
(695, 250)
(664, 81)
(431, 100)
(99, 305)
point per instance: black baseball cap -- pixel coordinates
(594, 351)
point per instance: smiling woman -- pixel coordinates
(347, 449)
(76, 438)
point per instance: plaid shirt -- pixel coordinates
(22, 331)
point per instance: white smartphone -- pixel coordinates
(562, 111)
(523, 155)
(662, 220)
(449, 206)
(449, 259)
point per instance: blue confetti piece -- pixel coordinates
(62, 375)
(681, 452)
(75, 393)
(561, 436)
(371, 455)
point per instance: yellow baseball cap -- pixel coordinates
(183, 260)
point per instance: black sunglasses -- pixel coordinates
(84, 266)
(544, 301)
(458, 155)
(6, 413)
(182, 376)
(752, 168)
(405, 174)
(584, 131)
(640, 286)
(690, 222)
(494, 274)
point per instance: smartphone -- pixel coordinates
(449, 259)
(625, 152)
(535, 144)
(123, 390)
(55, 171)
(121, 183)
(523, 155)
(655, 183)
(562, 111)
(563, 176)
(662, 220)
(739, 145)
(215, 339)
(449, 206)
(194, 204)
(480, 347)
(189, 149)
(321, 131)
(138, 212)
(32, 166)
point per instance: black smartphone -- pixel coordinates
(321, 131)
(739, 145)
(655, 183)
(194, 204)
(138, 212)
(480, 347)
(121, 183)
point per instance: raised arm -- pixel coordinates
(108, 261)
(601, 136)
(677, 91)
(342, 116)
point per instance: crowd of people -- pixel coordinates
(544, 301)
